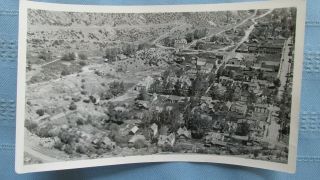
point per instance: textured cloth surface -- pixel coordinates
(309, 132)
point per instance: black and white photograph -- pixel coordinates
(160, 83)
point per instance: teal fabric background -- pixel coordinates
(309, 132)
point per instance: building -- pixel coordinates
(180, 43)
(175, 99)
(121, 57)
(235, 61)
(140, 87)
(261, 108)
(267, 47)
(239, 107)
(260, 112)
(234, 67)
(207, 68)
(201, 62)
(243, 48)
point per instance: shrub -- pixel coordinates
(68, 57)
(200, 33)
(111, 53)
(242, 129)
(44, 131)
(142, 95)
(198, 134)
(128, 49)
(83, 56)
(106, 95)
(139, 144)
(68, 149)
(122, 141)
(29, 103)
(81, 149)
(40, 112)
(54, 132)
(66, 137)
(93, 99)
(256, 153)
(166, 148)
(58, 145)
(277, 83)
(145, 45)
(76, 98)
(82, 63)
(189, 37)
(31, 126)
(65, 72)
(114, 128)
(45, 55)
(72, 106)
(84, 92)
(80, 121)
(98, 73)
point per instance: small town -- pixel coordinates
(220, 86)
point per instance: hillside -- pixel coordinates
(41, 17)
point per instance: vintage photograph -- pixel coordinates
(106, 85)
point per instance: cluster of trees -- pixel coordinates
(178, 88)
(191, 36)
(196, 34)
(154, 57)
(114, 116)
(285, 19)
(228, 95)
(169, 117)
(200, 45)
(127, 49)
(111, 53)
(201, 122)
(284, 113)
(171, 83)
(199, 126)
(220, 39)
(282, 20)
(116, 88)
(168, 42)
(242, 129)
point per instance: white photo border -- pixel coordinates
(290, 167)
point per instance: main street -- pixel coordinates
(284, 68)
